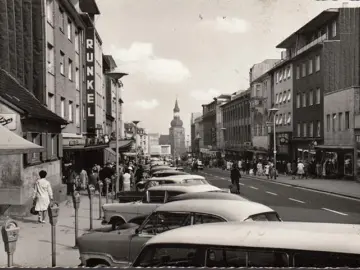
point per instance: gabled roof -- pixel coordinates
(13, 92)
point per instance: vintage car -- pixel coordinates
(207, 196)
(142, 186)
(120, 247)
(116, 214)
(168, 172)
(255, 244)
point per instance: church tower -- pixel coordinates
(177, 133)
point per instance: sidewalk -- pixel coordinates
(33, 247)
(345, 188)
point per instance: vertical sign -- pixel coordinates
(90, 78)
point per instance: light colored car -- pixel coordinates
(119, 248)
(169, 172)
(255, 244)
(119, 213)
(207, 196)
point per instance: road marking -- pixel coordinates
(223, 178)
(241, 184)
(333, 211)
(295, 200)
(272, 193)
(253, 187)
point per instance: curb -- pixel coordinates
(308, 188)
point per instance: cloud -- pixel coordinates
(203, 95)
(146, 104)
(229, 25)
(140, 58)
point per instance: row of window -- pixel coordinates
(307, 67)
(283, 119)
(308, 129)
(338, 121)
(70, 113)
(52, 144)
(283, 97)
(238, 111)
(283, 74)
(239, 134)
(308, 98)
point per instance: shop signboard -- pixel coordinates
(90, 79)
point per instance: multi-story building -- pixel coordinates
(22, 111)
(236, 129)
(177, 133)
(260, 103)
(199, 135)
(310, 49)
(153, 139)
(192, 129)
(282, 99)
(142, 140)
(110, 95)
(220, 100)
(209, 126)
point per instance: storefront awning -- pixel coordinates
(122, 143)
(85, 148)
(334, 147)
(11, 143)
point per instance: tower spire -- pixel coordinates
(176, 108)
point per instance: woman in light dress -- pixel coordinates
(42, 196)
(127, 180)
(300, 169)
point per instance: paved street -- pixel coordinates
(295, 203)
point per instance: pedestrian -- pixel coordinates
(94, 177)
(294, 169)
(300, 169)
(83, 179)
(267, 170)
(126, 179)
(70, 183)
(235, 176)
(42, 196)
(288, 168)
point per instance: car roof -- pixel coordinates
(181, 177)
(186, 188)
(327, 237)
(230, 210)
(171, 170)
(208, 195)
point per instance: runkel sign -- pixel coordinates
(90, 79)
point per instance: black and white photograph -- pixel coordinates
(180, 133)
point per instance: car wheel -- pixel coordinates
(116, 222)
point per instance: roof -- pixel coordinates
(11, 143)
(176, 108)
(230, 210)
(327, 237)
(207, 195)
(89, 6)
(312, 25)
(186, 188)
(180, 177)
(239, 96)
(13, 92)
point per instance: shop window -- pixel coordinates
(348, 164)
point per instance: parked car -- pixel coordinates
(119, 213)
(142, 186)
(169, 172)
(207, 195)
(255, 244)
(119, 248)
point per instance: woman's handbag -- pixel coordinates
(33, 211)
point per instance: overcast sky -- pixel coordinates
(193, 49)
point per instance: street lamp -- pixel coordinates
(274, 111)
(116, 76)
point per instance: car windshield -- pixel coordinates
(195, 181)
(159, 222)
(272, 216)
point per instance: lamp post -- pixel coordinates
(274, 111)
(116, 76)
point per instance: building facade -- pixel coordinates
(209, 127)
(192, 129)
(199, 135)
(220, 100)
(22, 110)
(282, 99)
(142, 140)
(260, 103)
(177, 133)
(236, 127)
(306, 50)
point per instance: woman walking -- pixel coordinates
(42, 196)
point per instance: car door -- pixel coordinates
(156, 198)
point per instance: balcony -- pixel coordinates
(312, 44)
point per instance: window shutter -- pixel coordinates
(60, 145)
(48, 146)
(44, 144)
(29, 156)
